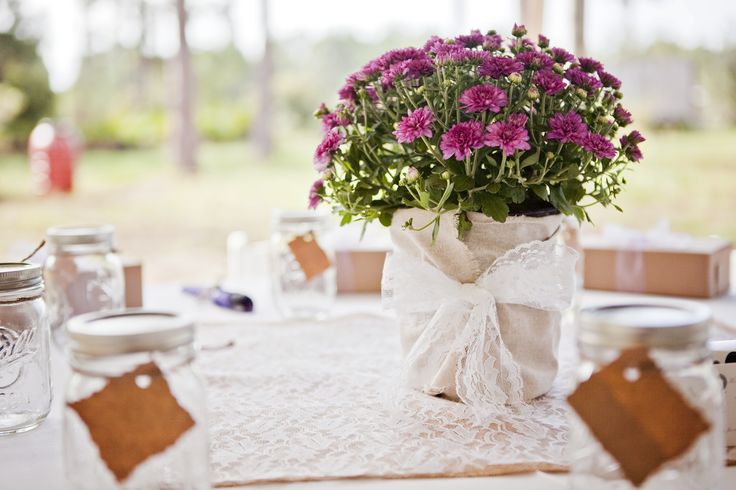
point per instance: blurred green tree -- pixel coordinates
(25, 95)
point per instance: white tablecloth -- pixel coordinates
(33, 460)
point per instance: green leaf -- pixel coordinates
(579, 213)
(517, 194)
(558, 200)
(532, 159)
(463, 183)
(346, 218)
(541, 191)
(463, 225)
(385, 218)
(493, 188)
(424, 199)
(493, 206)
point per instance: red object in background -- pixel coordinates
(52, 151)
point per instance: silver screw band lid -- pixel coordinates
(20, 275)
(652, 323)
(128, 331)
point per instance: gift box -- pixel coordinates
(133, 273)
(359, 258)
(657, 262)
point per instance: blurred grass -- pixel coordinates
(178, 223)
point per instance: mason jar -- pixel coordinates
(83, 273)
(303, 279)
(135, 415)
(25, 382)
(674, 334)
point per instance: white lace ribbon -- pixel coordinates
(464, 327)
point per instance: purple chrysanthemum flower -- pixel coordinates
(542, 41)
(382, 63)
(567, 127)
(347, 91)
(562, 56)
(324, 151)
(590, 65)
(583, 80)
(412, 69)
(481, 98)
(622, 116)
(461, 139)
(499, 66)
(492, 42)
(535, 60)
(518, 118)
(333, 120)
(630, 145)
(432, 44)
(414, 125)
(549, 82)
(472, 40)
(521, 43)
(609, 80)
(598, 145)
(509, 136)
(314, 197)
(461, 55)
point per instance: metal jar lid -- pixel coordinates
(281, 216)
(15, 276)
(664, 324)
(127, 331)
(80, 235)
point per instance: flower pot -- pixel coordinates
(479, 318)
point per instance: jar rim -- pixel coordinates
(20, 276)
(651, 323)
(80, 235)
(127, 331)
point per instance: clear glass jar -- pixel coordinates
(675, 334)
(25, 382)
(295, 295)
(105, 346)
(83, 274)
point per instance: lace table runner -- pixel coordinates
(301, 402)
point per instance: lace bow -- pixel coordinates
(464, 328)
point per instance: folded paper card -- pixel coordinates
(656, 262)
(636, 415)
(134, 417)
(310, 256)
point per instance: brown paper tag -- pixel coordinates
(134, 417)
(636, 415)
(311, 258)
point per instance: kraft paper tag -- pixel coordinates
(636, 415)
(311, 258)
(134, 417)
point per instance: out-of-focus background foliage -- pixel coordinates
(245, 76)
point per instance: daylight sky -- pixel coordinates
(690, 23)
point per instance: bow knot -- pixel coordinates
(462, 339)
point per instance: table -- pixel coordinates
(33, 461)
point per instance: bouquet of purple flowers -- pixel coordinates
(475, 124)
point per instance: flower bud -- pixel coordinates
(492, 32)
(558, 68)
(581, 93)
(618, 94)
(445, 175)
(550, 155)
(321, 110)
(543, 41)
(518, 30)
(533, 93)
(515, 77)
(328, 174)
(420, 90)
(412, 175)
(604, 120)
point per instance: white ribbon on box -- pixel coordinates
(464, 327)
